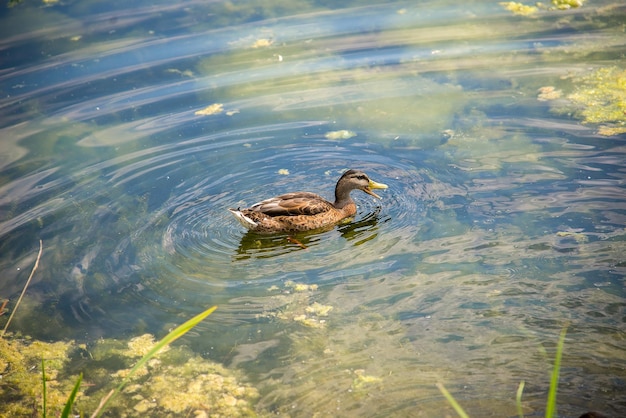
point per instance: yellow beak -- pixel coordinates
(374, 185)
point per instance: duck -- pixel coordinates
(305, 211)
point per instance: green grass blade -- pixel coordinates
(554, 380)
(70, 401)
(518, 399)
(44, 388)
(169, 338)
(452, 401)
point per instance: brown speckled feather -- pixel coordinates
(303, 211)
(291, 204)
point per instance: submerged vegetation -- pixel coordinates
(600, 98)
(526, 10)
(174, 382)
(20, 366)
(551, 404)
(597, 97)
(294, 304)
(177, 381)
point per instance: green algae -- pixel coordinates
(567, 4)
(20, 367)
(294, 303)
(362, 380)
(600, 98)
(519, 8)
(175, 382)
(340, 134)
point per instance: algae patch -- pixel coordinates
(183, 383)
(293, 304)
(567, 4)
(175, 382)
(214, 109)
(362, 380)
(577, 236)
(519, 8)
(600, 98)
(341, 134)
(20, 368)
(548, 93)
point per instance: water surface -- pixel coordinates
(128, 129)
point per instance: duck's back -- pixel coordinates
(293, 204)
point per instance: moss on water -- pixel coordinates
(180, 382)
(519, 8)
(567, 4)
(600, 98)
(294, 303)
(20, 367)
(176, 382)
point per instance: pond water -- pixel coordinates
(129, 128)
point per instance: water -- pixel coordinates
(503, 222)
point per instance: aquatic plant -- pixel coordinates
(23, 382)
(175, 382)
(294, 304)
(519, 8)
(567, 4)
(600, 98)
(525, 10)
(554, 382)
(169, 338)
(70, 401)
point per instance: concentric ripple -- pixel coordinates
(199, 234)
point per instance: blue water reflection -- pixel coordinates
(128, 130)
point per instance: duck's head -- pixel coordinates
(356, 180)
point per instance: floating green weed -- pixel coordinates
(601, 99)
(69, 403)
(169, 338)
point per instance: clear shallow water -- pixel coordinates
(503, 222)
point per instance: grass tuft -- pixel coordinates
(67, 411)
(554, 383)
(554, 380)
(452, 401)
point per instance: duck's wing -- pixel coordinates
(293, 204)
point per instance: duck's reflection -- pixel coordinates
(255, 245)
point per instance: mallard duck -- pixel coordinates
(304, 211)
